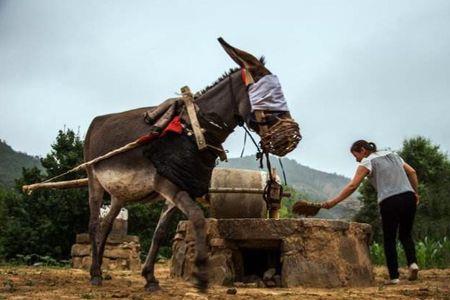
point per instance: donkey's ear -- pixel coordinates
(242, 58)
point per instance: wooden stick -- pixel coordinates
(55, 185)
(84, 182)
(241, 190)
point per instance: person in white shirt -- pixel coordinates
(396, 184)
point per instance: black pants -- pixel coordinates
(397, 214)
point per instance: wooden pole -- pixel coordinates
(84, 182)
(55, 185)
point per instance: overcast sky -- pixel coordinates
(378, 70)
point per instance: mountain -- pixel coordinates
(314, 184)
(12, 162)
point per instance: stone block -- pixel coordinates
(117, 253)
(311, 252)
(80, 250)
(217, 243)
(121, 253)
(299, 271)
(77, 262)
(83, 238)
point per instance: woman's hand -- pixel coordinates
(417, 198)
(329, 204)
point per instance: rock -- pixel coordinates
(83, 238)
(80, 250)
(269, 274)
(277, 279)
(117, 253)
(270, 283)
(218, 243)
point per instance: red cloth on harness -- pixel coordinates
(174, 126)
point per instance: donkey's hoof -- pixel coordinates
(152, 287)
(96, 280)
(201, 281)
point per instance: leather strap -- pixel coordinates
(260, 118)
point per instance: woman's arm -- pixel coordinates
(352, 186)
(412, 177)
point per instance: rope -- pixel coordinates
(84, 165)
(282, 169)
(245, 141)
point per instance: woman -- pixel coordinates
(396, 184)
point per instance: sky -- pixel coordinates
(377, 70)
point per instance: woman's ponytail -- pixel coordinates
(363, 144)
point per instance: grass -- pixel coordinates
(430, 253)
(36, 260)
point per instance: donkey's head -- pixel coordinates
(268, 114)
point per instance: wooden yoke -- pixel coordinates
(188, 99)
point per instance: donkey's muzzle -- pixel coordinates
(281, 138)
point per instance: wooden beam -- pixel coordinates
(55, 185)
(84, 182)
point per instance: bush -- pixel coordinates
(430, 253)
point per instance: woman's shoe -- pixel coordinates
(413, 272)
(392, 281)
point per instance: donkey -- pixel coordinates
(131, 177)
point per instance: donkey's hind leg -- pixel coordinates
(148, 271)
(96, 193)
(187, 205)
(106, 226)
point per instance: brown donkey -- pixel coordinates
(130, 176)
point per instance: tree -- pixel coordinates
(46, 222)
(433, 170)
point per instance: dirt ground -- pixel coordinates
(61, 283)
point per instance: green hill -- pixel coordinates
(317, 185)
(12, 162)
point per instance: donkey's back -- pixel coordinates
(128, 175)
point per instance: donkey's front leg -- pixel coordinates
(194, 213)
(186, 204)
(148, 271)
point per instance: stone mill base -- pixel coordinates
(286, 252)
(121, 253)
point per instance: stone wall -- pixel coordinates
(121, 253)
(121, 250)
(287, 252)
